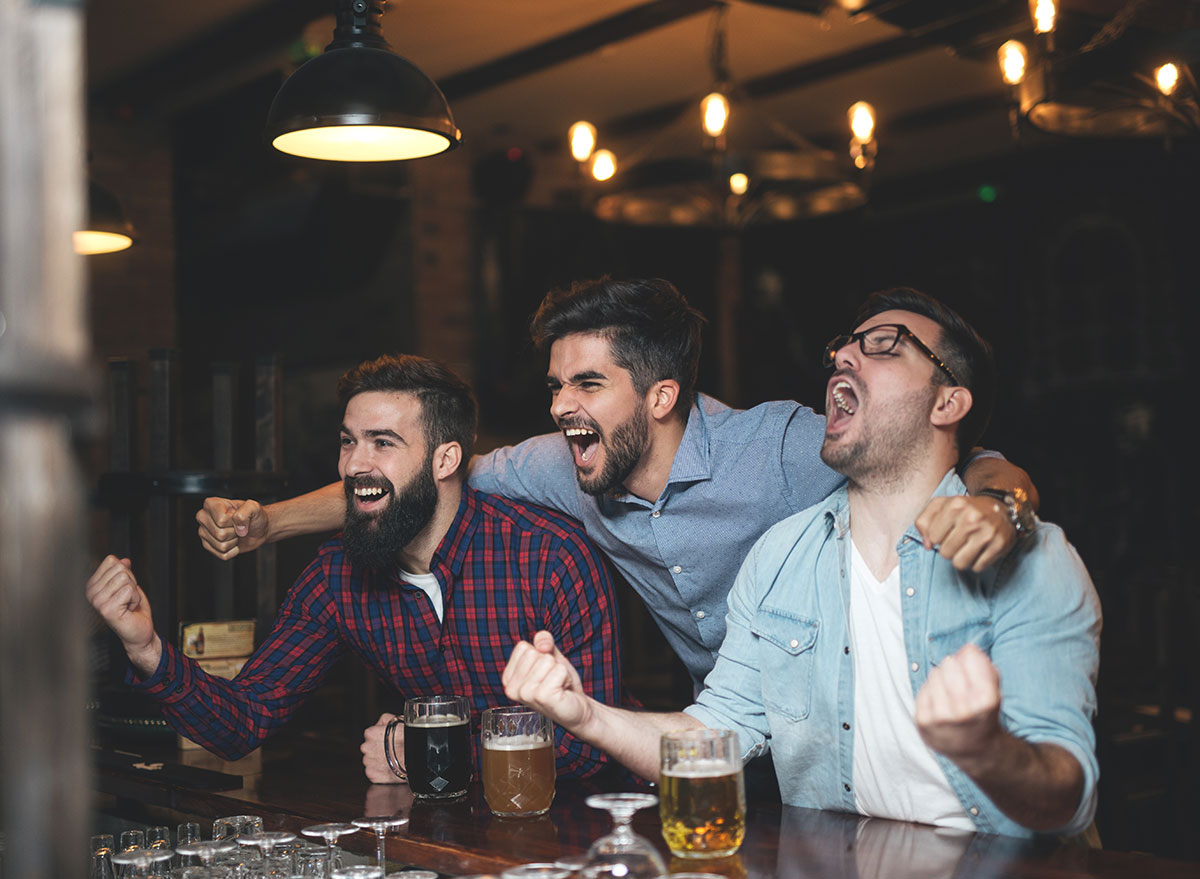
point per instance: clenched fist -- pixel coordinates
(115, 594)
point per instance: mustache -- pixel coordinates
(586, 423)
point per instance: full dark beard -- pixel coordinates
(621, 453)
(375, 540)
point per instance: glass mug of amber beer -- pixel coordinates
(518, 762)
(437, 746)
(702, 796)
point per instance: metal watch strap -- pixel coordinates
(1016, 502)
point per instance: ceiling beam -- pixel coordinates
(242, 40)
(567, 47)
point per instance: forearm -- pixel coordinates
(999, 473)
(1037, 785)
(632, 737)
(145, 658)
(320, 510)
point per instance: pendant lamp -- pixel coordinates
(107, 229)
(359, 101)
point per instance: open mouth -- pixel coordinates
(369, 496)
(841, 406)
(583, 442)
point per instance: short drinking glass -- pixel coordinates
(702, 796)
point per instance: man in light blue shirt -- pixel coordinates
(673, 486)
(882, 678)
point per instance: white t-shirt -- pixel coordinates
(895, 773)
(428, 584)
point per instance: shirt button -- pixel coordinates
(677, 569)
(973, 810)
(795, 643)
(847, 786)
(910, 592)
(700, 614)
(915, 666)
(845, 726)
(846, 650)
(656, 514)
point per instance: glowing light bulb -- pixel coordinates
(1167, 78)
(738, 183)
(583, 140)
(604, 164)
(862, 121)
(1043, 14)
(1012, 62)
(715, 109)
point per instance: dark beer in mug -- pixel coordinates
(437, 746)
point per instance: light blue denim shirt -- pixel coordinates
(736, 473)
(785, 677)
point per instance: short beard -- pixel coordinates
(885, 455)
(622, 451)
(375, 540)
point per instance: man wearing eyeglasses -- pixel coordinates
(882, 679)
(672, 485)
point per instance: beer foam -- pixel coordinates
(515, 743)
(700, 768)
(439, 721)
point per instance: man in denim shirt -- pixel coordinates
(673, 486)
(883, 679)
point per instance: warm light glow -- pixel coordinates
(1043, 14)
(1167, 78)
(738, 183)
(89, 241)
(361, 143)
(715, 109)
(583, 140)
(1012, 62)
(604, 164)
(862, 121)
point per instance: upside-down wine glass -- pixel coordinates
(329, 833)
(381, 824)
(139, 860)
(206, 851)
(635, 854)
(265, 842)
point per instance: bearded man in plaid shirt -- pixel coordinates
(430, 585)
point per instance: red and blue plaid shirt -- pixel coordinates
(506, 570)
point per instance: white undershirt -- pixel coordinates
(428, 584)
(895, 773)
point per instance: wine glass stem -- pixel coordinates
(379, 850)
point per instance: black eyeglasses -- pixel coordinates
(881, 340)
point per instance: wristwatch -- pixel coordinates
(1020, 511)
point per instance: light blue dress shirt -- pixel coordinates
(785, 677)
(736, 473)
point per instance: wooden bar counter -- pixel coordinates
(297, 783)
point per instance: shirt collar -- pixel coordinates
(456, 544)
(836, 507)
(693, 461)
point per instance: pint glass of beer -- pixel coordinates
(702, 796)
(518, 762)
(437, 746)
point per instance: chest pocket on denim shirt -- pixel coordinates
(786, 653)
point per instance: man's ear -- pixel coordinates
(447, 458)
(662, 398)
(951, 405)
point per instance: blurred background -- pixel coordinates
(1055, 210)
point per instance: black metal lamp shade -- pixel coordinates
(360, 102)
(107, 229)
